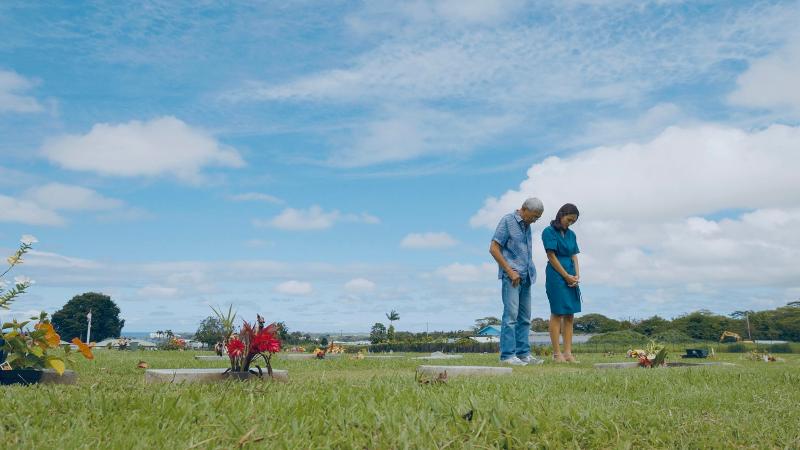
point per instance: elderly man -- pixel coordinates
(511, 248)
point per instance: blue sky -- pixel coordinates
(325, 162)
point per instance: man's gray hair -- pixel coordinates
(533, 204)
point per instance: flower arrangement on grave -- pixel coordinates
(174, 343)
(23, 347)
(333, 349)
(655, 355)
(635, 353)
(360, 355)
(250, 343)
(761, 356)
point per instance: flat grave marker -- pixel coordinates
(631, 365)
(455, 371)
(202, 375)
(439, 355)
(50, 376)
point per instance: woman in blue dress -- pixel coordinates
(563, 276)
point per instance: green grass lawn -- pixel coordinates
(345, 403)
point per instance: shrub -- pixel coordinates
(427, 347)
(673, 337)
(780, 348)
(626, 337)
(172, 344)
(737, 348)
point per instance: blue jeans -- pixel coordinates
(516, 325)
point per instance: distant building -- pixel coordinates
(485, 339)
(543, 338)
(114, 343)
(489, 330)
(352, 343)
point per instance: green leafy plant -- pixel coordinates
(29, 349)
(226, 320)
(655, 355)
(21, 284)
(22, 347)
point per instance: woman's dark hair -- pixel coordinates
(565, 210)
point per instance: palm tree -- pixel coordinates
(392, 316)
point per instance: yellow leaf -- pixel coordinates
(86, 350)
(37, 351)
(52, 338)
(57, 365)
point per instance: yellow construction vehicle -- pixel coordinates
(730, 336)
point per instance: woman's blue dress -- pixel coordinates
(564, 300)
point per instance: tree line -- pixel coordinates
(782, 323)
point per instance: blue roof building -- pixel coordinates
(489, 330)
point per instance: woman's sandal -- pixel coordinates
(570, 358)
(559, 358)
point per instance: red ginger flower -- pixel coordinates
(265, 341)
(235, 347)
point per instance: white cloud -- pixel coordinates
(255, 197)
(12, 97)
(753, 249)
(7, 315)
(162, 146)
(771, 82)
(643, 238)
(51, 260)
(57, 196)
(428, 240)
(376, 15)
(27, 212)
(477, 11)
(294, 287)
(158, 292)
(408, 133)
(313, 218)
(362, 218)
(682, 172)
(40, 205)
(467, 273)
(14, 178)
(644, 125)
(437, 90)
(612, 285)
(570, 57)
(359, 286)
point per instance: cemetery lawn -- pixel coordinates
(344, 403)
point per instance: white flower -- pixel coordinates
(27, 239)
(22, 279)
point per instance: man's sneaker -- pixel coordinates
(514, 361)
(531, 360)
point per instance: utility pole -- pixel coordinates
(747, 318)
(89, 326)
